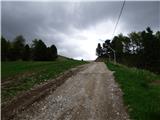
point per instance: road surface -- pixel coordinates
(91, 94)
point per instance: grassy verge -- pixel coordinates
(23, 76)
(141, 91)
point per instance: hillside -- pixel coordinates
(101, 59)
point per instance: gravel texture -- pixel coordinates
(91, 94)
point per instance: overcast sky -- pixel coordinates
(76, 27)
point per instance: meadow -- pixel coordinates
(20, 76)
(141, 90)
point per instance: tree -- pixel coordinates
(18, 50)
(99, 50)
(26, 53)
(117, 45)
(150, 52)
(107, 52)
(136, 42)
(127, 45)
(158, 35)
(17, 47)
(53, 51)
(4, 48)
(139, 49)
(39, 50)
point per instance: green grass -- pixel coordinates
(17, 72)
(140, 94)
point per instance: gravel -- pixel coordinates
(91, 94)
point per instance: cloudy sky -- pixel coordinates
(76, 27)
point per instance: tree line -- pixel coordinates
(138, 49)
(19, 50)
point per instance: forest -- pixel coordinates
(19, 50)
(137, 49)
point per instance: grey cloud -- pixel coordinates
(63, 23)
(139, 15)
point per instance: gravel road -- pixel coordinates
(91, 94)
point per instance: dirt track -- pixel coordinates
(91, 94)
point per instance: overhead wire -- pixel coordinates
(118, 18)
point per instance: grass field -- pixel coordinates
(141, 91)
(20, 76)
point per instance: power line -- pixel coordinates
(118, 18)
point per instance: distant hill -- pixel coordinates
(63, 58)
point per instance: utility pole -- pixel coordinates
(114, 52)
